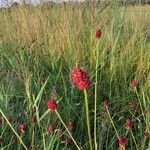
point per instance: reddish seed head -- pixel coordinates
(1, 141)
(80, 79)
(33, 119)
(105, 104)
(60, 133)
(15, 141)
(145, 113)
(42, 80)
(123, 142)
(10, 119)
(22, 128)
(30, 148)
(134, 84)
(129, 123)
(52, 104)
(51, 129)
(135, 105)
(70, 125)
(147, 135)
(98, 34)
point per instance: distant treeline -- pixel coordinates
(134, 2)
(50, 4)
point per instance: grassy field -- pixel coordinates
(38, 49)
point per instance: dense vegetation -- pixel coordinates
(39, 47)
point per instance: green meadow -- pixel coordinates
(39, 48)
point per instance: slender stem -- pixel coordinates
(13, 130)
(19, 147)
(143, 144)
(44, 115)
(95, 101)
(88, 119)
(67, 130)
(122, 148)
(33, 137)
(134, 140)
(112, 122)
(4, 130)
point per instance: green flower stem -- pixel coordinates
(13, 130)
(112, 122)
(134, 140)
(88, 117)
(67, 130)
(95, 100)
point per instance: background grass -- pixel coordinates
(38, 44)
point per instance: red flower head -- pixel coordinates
(70, 125)
(51, 129)
(123, 142)
(10, 119)
(98, 33)
(129, 123)
(30, 148)
(145, 113)
(33, 119)
(22, 128)
(147, 135)
(1, 122)
(80, 79)
(134, 84)
(1, 140)
(52, 104)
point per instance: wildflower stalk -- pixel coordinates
(122, 148)
(134, 139)
(143, 144)
(112, 123)
(19, 147)
(95, 100)
(67, 130)
(13, 129)
(33, 134)
(88, 121)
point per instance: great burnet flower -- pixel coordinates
(147, 135)
(134, 84)
(80, 79)
(33, 119)
(51, 129)
(52, 104)
(70, 125)
(22, 127)
(98, 33)
(123, 142)
(129, 123)
(105, 104)
(10, 119)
